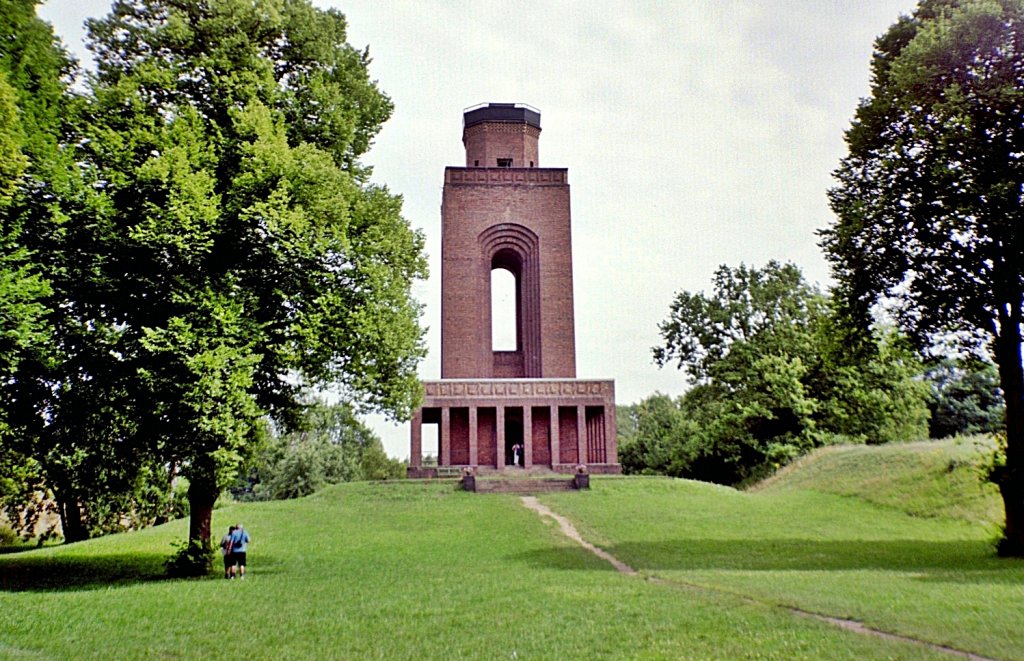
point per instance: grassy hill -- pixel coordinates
(928, 478)
(418, 570)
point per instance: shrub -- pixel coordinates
(190, 559)
(7, 535)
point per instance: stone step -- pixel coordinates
(516, 472)
(524, 486)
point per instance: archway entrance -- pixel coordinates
(514, 450)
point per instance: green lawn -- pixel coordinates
(398, 571)
(834, 536)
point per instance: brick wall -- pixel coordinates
(542, 435)
(568, 435)
(513, 206)
(459, 431)
(486, 143)
(486, 436)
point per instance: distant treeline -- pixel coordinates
(775, 371)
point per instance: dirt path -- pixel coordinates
(570, 531)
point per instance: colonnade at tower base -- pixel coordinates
(557, 424)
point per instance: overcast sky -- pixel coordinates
(696, 133)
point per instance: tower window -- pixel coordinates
(476, 163)
(504, 310)
(504, 162)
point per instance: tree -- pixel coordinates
(652, 434)
(870, 388)
(330, 446)
(27, 53)
(19, 293)
(35, 178)
(375, 464)
(928, 201)
(773, 377)
(33, 76)
(965, 398)
(251, 256)
(65, 432)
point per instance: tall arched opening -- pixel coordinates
(505, 334)
(511, 249)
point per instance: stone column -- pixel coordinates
(444, 438)
(610, 441)
(472, 436)
(581, 435)
(527, 436)
(416, 439)
(499, 451)
(556, 452)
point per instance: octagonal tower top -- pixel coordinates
(501, 135)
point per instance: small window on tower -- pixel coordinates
(531, 164)
(504, 162)
(476, 164)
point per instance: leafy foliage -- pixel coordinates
(35, 250)
(186, 247)
(191, 559)
(331, 446)
(773, 376)
(225, 139)
(652, 435)
(965, 399)
(27, 54)
(929, 197)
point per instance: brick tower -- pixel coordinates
(503, 211)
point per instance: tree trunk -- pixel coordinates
(1010, 478)
(71, 517)
(202, 494)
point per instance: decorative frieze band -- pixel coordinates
(535, 176)
(516, 388)
(501, 127)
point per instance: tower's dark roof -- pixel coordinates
(501, 112)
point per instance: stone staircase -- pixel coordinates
(524, 485)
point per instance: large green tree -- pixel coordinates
(252, 257)
(929, 199)
(19, 294)
(31, 67)
(774, 375)
(67, 435)
(655, 437)
(36, 178)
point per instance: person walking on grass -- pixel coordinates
(229, 558)
(239, 541)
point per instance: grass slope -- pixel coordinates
(833, 536)
(418, 570)
(928, 478)
(390, 572)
